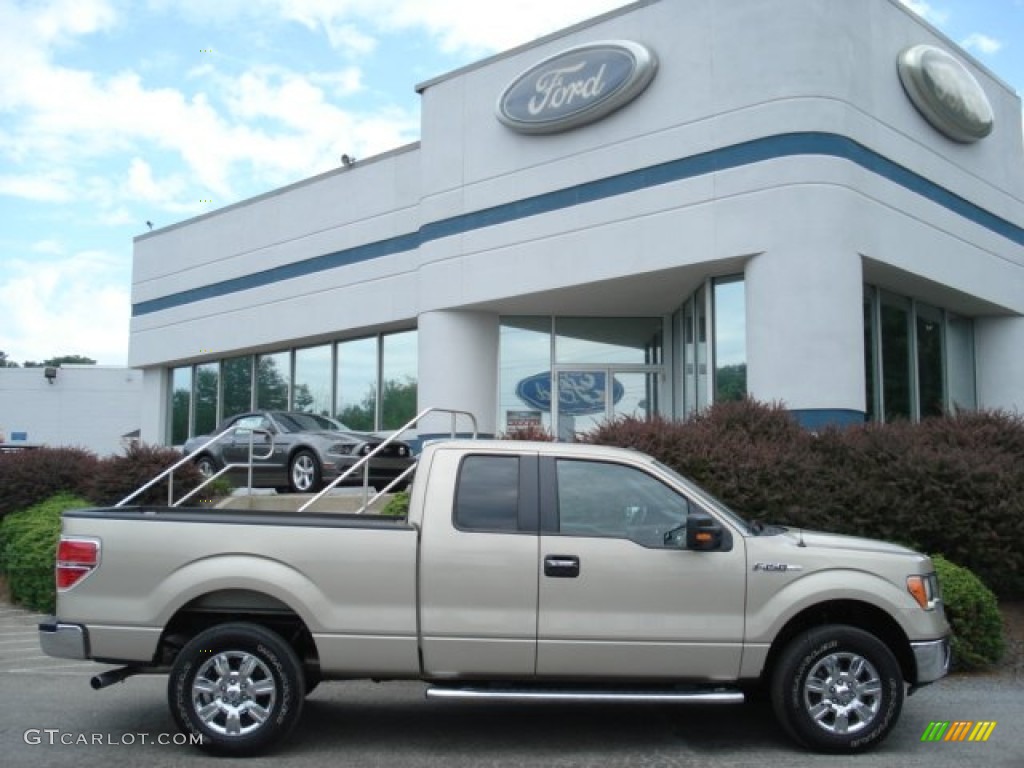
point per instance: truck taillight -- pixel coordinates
(76, 559)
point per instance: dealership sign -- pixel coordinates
(579, 392)
(945, 93)
(577, 86)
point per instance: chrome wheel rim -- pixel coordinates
(234, 693)
(842, 693)
(303, 470)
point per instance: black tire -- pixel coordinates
(238, 687)
(304, 474)
(837, 689)
(206, 465)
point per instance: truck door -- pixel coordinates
(478, 566)
(616, 600)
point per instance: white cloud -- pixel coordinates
(78, 305)
(981, 43)
(927, 11)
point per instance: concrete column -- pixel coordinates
(805, 330)
(999, 357)
(458, 369)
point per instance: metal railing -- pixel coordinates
(364, 462)
(169, 472)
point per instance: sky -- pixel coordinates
(115, 113)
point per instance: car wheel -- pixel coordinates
(206, 466)
(837, 689)
(304, 472)
(237, 689)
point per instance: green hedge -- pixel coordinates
(973, 614)
(28, 546)
(951, 485)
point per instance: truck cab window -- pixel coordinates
(487, 495)
(616, 501)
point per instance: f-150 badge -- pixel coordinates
(777, 567)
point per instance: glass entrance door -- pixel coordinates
(589, 396)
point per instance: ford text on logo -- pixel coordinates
(577, 86)
(579, 392)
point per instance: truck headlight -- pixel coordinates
(924, 588)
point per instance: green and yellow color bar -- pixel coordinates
(958, 730)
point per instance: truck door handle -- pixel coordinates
(562, 566)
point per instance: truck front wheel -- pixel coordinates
(237, 688)
(837, 689)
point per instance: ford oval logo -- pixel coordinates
(579, 392)
(577, 86)
(945, 93)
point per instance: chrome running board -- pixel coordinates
(696, 696)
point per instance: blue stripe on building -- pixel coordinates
(725, 158)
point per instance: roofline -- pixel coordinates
(420, 88)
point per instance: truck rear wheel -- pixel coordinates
(837, 689)
(238, 687)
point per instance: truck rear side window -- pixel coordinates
(487, 495)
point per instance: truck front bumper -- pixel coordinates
(65, 641)
(933, 658)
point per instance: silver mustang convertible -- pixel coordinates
(307, 450)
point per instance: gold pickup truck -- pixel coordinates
(526, 571)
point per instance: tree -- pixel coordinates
(397, 407)
(61, 360)
(5, 362)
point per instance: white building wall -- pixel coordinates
(86, 406)
(815, 174)
(999, 352)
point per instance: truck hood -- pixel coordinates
(820, 540)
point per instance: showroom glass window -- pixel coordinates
(606, 367)
(311, 392)
(181, 403)
(273, 377)
(524, 347)
(357, 371)
(730, 351)
(711, 345)
(608, 340)
(367, 383)
(205, 397)
(399, 372)
(918, 358)
(236, 375)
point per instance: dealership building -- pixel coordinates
(672, 204)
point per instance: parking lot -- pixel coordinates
(49, 716)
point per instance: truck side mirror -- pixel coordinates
(703, 532)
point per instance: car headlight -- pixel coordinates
(924, 588)
(341, 448)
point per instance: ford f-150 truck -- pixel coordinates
(522, 571)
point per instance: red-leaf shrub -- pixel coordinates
(30, 477)
(118, 476)
(951, 485)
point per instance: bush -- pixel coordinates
(118, 476)
(397, 506)
(973, 614)
(28, 546)
(952, 485)
(29, 477)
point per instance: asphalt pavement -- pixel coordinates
(49, 716)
